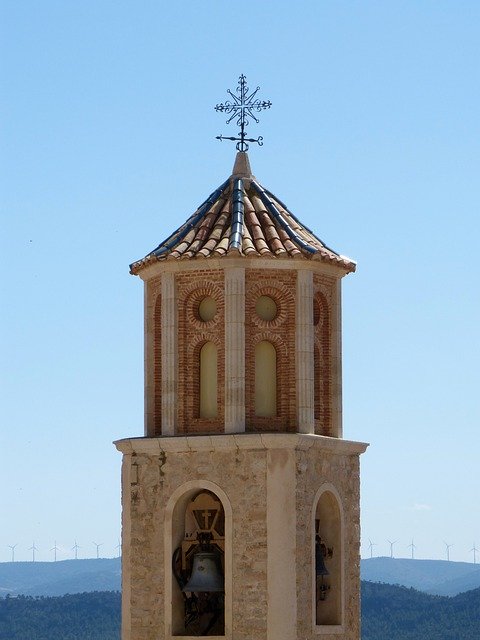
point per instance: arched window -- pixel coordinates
(265, 379)
(208, 381)
(328, 580)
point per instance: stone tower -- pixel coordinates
(241, 501)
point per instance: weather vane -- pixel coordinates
(242, 108)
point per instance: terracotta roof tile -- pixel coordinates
(244, 217)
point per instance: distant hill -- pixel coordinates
(84, 616)
(388, 613)
(432, 576)
(397, 613)
(77, 576)
(59, 578)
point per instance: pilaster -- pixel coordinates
(169, 355)
(336, 350)
(304, 352)
(234, 350)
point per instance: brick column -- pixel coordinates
(304, 352)
(336, 351)
(169, 355)
(234, 350)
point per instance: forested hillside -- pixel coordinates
(398, 613)
(388, 613)
(83, 616)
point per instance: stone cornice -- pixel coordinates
(254, 262)
(239, 441)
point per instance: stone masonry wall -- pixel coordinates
(242, 476)
(314, 469)
(241, 472)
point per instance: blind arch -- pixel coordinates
(208, 381)
(265, 379)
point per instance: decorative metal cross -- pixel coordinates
(243, 108)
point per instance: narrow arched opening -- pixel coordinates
(328, 551)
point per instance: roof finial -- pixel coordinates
(242, 108)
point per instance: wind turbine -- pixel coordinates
(76, 548)
(98, 547)
(55, 549)
(412, 547)
(474, 549)
(370, 546)
(391, 546)
(447, 546)
(12, 547)
(33, 548)
(119, 549)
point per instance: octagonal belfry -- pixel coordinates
(241, 501)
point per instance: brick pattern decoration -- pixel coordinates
(157, 366)
(193, 333)
(280, 286)
(322, 331)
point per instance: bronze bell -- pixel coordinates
(207, 573)
(320, 568)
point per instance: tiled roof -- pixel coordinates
(242, 218)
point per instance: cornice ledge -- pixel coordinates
(236, 441)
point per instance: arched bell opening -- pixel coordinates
(199, 565)
(327, 558)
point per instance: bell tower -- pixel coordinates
(241, 501)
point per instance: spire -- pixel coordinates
(241, 168)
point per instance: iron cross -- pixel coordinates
(242, 108)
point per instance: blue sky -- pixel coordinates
(108, 143)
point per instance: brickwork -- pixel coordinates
(193, 333)
(280, 286)
(322, 320)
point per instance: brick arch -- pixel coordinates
(322, 365)
(281, 421)
(192, 286)
(194, 294)
(191, 400)
(280, 284)
(282, 296)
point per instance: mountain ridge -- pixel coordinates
(437, 577)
